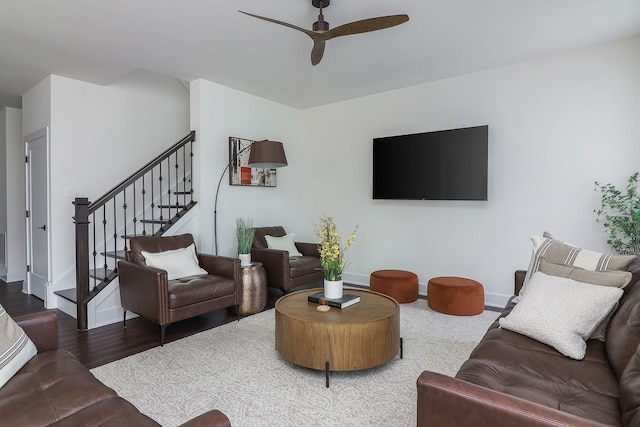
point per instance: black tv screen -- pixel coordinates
(442, 165)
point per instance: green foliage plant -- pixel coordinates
(619, 213)
(244, 234)
(332, 254)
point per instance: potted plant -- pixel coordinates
(332, 255)
(620, 214)
(244, 234)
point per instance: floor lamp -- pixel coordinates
(264, 154)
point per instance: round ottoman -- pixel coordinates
(455, 295)
(398, 284)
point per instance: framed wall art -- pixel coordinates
(239, 171)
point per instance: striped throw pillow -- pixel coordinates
(16, 349)
(558, 252)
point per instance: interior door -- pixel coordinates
(38, 228)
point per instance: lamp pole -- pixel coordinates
(215, 204)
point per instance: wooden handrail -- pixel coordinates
(143, 170)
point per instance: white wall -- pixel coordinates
(12, 167)
(556, 125)
(218, 113)
(99, 136)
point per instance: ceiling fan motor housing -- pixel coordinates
(320, 3)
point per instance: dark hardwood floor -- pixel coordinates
(105, 344)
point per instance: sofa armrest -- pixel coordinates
(143, 289)
(449, 402)
(42, 329)
(212, 418)
(308, 249)
(276, 264)
(220, 265)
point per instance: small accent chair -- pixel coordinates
(148, 292)
(282, 271)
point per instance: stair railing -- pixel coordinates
(146, 203)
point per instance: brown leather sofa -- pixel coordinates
(55, 388)
(282, 271)
(513, 380)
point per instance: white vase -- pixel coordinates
(245, 260)
(333, 288)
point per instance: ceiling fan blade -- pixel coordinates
(286, 24)
(366, 25)
(317, 51)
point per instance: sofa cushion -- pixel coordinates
(561, 312)
(15, 347)
(304, 265)
(193, 290)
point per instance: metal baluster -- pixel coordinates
(95, 252)
(135, 215)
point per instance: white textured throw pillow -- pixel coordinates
(284, 243)
(16, 349)
(561, 312)
(178, 263)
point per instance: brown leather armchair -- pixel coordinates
(282, 271)
(148, 292)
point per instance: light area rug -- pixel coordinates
(236, 369)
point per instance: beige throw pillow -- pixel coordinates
(284, 243)
(178, 263)
(561, 312)
(615, 278)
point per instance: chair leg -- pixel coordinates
(237, 306)
(124, 319)
(162, 329)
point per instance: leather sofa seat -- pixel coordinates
(54, 388)
(192, 290)
(511, 379)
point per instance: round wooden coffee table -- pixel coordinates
(362, 336)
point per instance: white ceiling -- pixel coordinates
(99, 41)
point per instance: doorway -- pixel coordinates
(37, 218)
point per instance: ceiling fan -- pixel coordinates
(321, 32)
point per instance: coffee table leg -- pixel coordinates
(326, 373)
(401, 348)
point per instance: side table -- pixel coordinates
(254, 289)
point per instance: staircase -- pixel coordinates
(148, 203)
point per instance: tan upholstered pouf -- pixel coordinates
(398, 284)
(455, 295)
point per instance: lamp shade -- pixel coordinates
(267, 154)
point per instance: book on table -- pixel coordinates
(347, 300)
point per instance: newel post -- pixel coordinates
(81, 219)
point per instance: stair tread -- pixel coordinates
(155, 221)
(121, 254)
(68, 294)
(171, 206)
(100, 273)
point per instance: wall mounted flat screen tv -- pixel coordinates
(443, 165)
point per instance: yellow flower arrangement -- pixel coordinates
(329, 245)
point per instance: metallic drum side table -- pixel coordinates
(254, 289)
